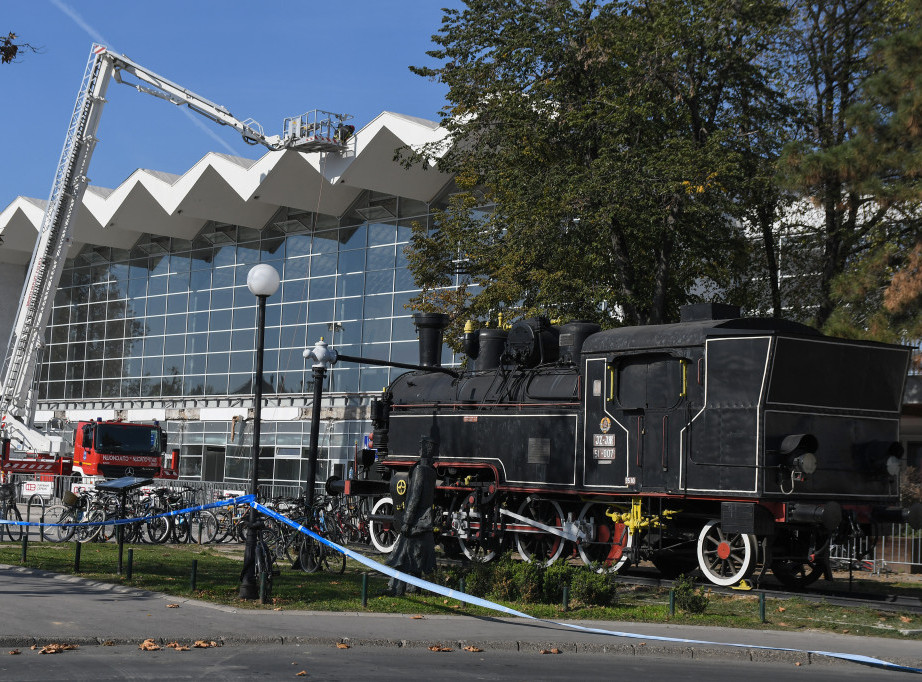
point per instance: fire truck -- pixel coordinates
(106, 448)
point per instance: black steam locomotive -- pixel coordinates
(720, 442)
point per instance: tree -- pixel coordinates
(608, 138)
(10, 49)
(831, 64)
(881, 292)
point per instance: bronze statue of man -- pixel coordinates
(414, 552)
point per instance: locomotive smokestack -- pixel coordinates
(430, 327)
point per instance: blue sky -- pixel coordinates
(262, 60)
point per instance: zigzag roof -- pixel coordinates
(236, 190)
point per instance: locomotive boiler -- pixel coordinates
(721, 442)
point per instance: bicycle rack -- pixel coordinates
(41, 530)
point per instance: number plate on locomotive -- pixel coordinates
(603, 440)
(603, 453)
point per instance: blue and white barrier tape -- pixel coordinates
(243, 499)
(476, 601)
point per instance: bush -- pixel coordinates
(503, 582)
(556, 576)
(529, 581)
(593, 589)
(688, 596)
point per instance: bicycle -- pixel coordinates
(9, 511)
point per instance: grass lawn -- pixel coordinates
(168, 569)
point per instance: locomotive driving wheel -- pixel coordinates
(804, 561)
(467, 521)
(535, 544)
(725, 558)
(606, 550)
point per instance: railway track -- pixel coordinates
(855, 597)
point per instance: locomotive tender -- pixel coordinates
(719, 442)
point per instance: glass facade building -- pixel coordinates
(170, 324)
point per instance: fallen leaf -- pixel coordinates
(14, 652)
(797, 664)
(108, 642)
(277, 608)
(440, 648)
(472, 649)
(172, 606)
(643, 644)
(783, 625)
(57, 648)
(555, 650)
(302, 673)
(149, 645)
(204, 644)
(418, 617)
(342, 645)
(34, 647)
(781, 609)
(177, 646)
(845, 632)
(444, 601)
(906, 619)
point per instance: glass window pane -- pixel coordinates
(297, 268)
(379, 282)
(157, 286)
(323, 264)
(352, 261)
(297, 245)
(218, 342)
(322, 287)
(196, 364)
(218, 363)
(381, 233)
(222, 298)
(219, 320)
(320, 311)
(381, 258)
(176, 324)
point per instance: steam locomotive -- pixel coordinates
(723, 443)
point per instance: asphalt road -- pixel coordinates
(40, 608)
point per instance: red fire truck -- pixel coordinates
(108, 449)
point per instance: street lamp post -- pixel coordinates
(262, 281)
(322, 356)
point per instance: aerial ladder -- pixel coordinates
(314, 131)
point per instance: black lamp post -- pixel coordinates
(322, 357)
(262, 281)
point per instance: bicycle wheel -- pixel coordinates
(158, 530)
(309, 553)
(264, 568)
(11, 513)
(332, 561)
(51, 515)
(62, 533)
(204, 527)
(182, 528)
(91, 525)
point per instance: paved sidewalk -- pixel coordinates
(39, 607)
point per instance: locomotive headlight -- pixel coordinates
(798, 452)
(805, 463)
(893, 465)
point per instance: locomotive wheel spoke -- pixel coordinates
(725, 558)
(606, 550)
(537, 545)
